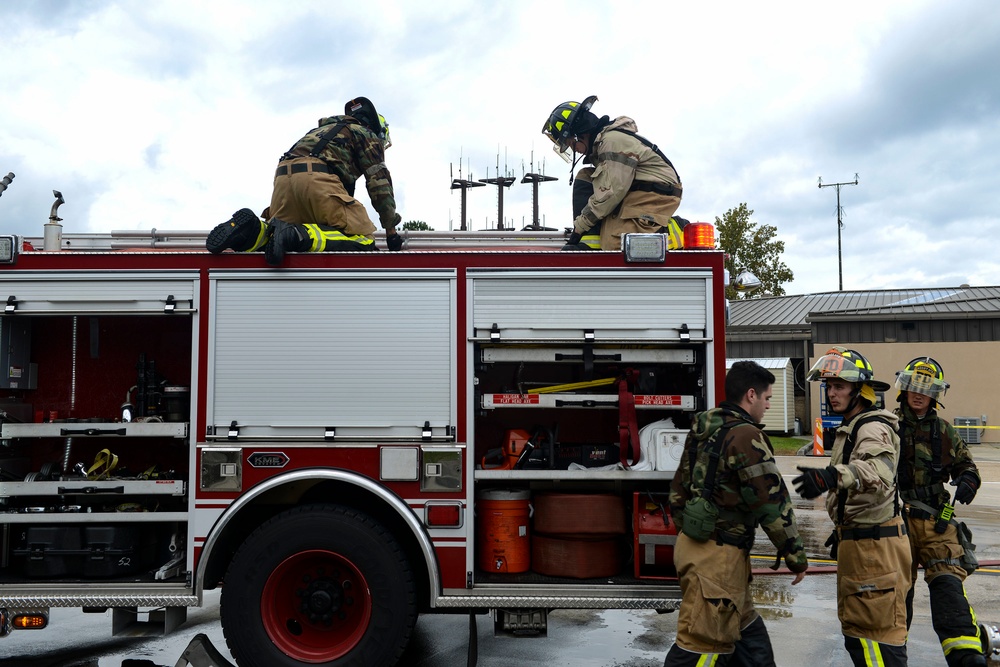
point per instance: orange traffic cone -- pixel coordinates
(818, 449)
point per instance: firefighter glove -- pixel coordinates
(814, 482)
(967, 487)
(394, 242)
(574, 238)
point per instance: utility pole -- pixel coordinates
(840, 265)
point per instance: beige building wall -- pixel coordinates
(972, 370)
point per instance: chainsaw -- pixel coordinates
(518, 447)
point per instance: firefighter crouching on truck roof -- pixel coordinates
(931, 454)
(313, 208)
(869, 539)
(726, 484)
(631, 187)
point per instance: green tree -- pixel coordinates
(417, 226)
(751, 246)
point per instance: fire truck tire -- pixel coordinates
(318, 585)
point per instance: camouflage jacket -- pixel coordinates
(620, 160)
(353, 153)
(749, 490)
(915, 477)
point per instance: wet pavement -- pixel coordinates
(802, 619)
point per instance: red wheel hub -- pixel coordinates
(316, 606)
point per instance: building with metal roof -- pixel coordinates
(958, 326)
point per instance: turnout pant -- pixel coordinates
(951, 614)
(872, 585)
(717, 623)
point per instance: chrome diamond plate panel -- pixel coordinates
(557, 602)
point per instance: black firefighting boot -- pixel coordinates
(244, 232)
(286, 237)
(966, 658)
(754, 647)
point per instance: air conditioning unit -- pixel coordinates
(969, 429)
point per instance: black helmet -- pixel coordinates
(363, 109)
(568, 120)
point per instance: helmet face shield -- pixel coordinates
(923, 376)
(834, 365)
(847, 365)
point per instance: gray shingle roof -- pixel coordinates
(784, 313)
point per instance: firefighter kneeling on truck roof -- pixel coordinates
(631, 187)
(932, 453)
(869, 539)
(313, 208)
(727, 483)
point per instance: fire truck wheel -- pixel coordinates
(327, 585)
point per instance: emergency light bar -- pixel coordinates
(645, 247)
(8, 249)
(699, 236)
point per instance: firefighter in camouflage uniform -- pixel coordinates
(932, 454)
(869, 539)
(313, 208)
(632, 186)
(726, 485)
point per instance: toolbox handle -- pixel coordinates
(65, 490)
(92, 431)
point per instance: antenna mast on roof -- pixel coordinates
(501, 182)
(535, 179)
(840, 225)
(457, 183)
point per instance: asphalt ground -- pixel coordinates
(801, 620)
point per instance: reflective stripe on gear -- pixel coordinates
(592, 241)
(869, 653)
(675, 237)
(321, 236)
(678, 657)
(262, 236)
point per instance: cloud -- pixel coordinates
(173, 115)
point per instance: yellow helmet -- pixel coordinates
(923, 375)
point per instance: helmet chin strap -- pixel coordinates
(572, 167)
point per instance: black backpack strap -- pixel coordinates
(715, 449)
(937, 472)
(327, 137)
(649, 144)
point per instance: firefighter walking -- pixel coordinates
(932, 453)
(726, 485)
(869, 539)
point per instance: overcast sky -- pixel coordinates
(171, 115)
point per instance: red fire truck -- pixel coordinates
(478, 424)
